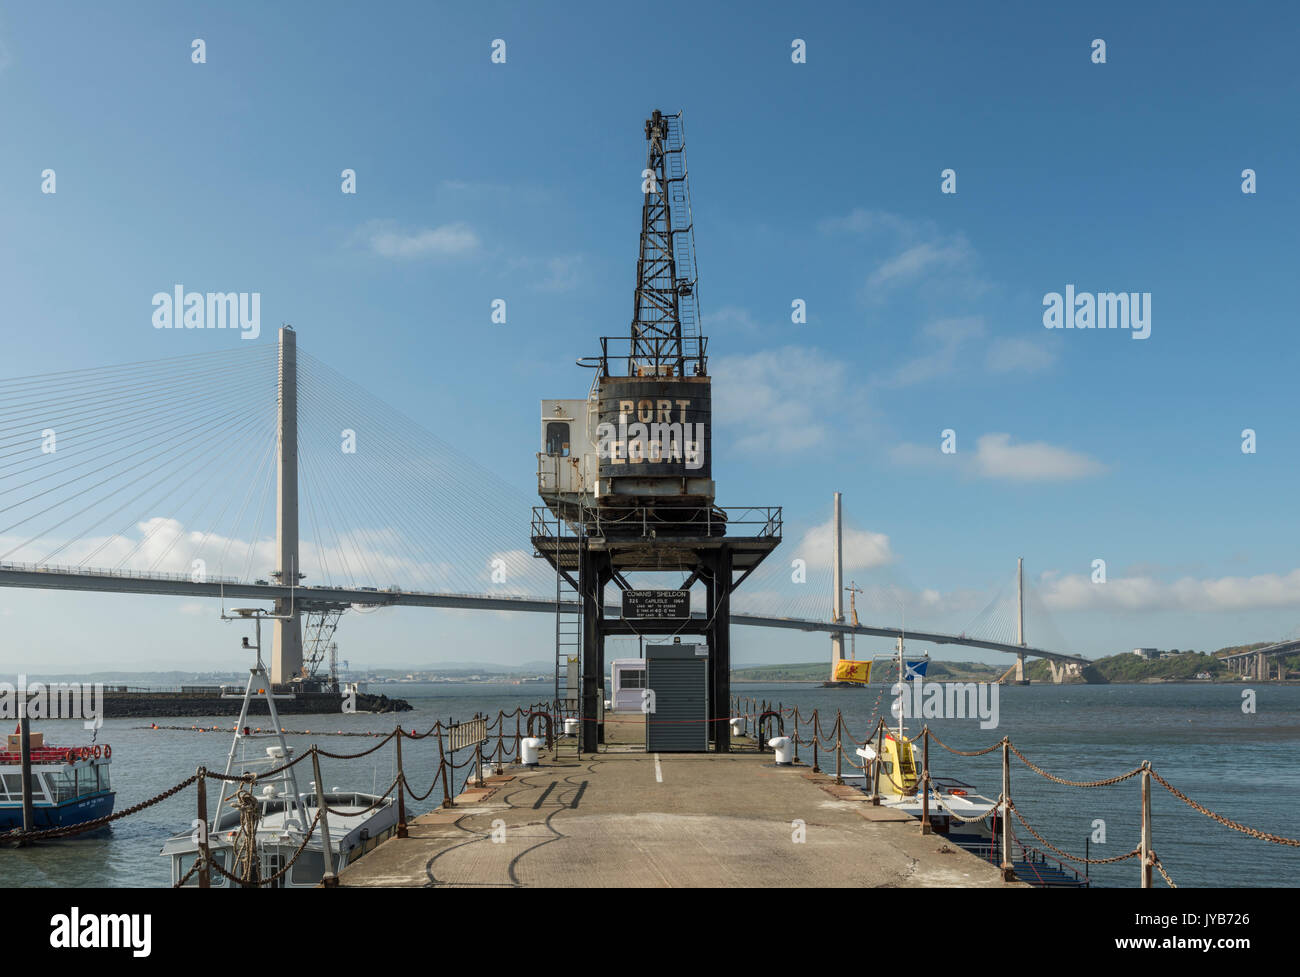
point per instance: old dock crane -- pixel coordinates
(626, 478)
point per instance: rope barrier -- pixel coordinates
(1075, 783)
(1155, 860)
(76, 829)
(965, 752)
(1236, 826)
(354, 756)
(938, 796)
(1074, 858)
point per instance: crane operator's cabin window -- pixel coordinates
(557, 438)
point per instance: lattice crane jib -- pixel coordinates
(665, 337)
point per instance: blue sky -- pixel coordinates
(817, 181)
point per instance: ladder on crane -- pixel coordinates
(568, 640)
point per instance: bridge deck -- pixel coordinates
(306, 598)
(626, 818)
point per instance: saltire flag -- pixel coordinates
(916, 669)
(847, 670)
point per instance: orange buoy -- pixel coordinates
(108, 751)
(97, 752)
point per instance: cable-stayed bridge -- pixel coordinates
(260, 473)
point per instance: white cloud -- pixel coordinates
(1077, 592)
(996, 457)
(912, 455)
(923, 254)
(861, 220)
(947, 339)
(727, 319)
(1019, 354)
(782, 401)
(559, 273)
(915, 262)
(1031, 461)
(386, 239)
(563, 273)
(862, 550)
(365, 557)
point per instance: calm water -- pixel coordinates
(1242, 766)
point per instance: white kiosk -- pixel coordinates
(628, 678)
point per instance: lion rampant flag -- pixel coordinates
(852, 671)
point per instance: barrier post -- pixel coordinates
(442, 769)
(205, 876)
(1008, 870)
(875, 764)
(329, 880)
(796, 734)
(401, 789)
(925, 781)
(25, 768)
(1145, 856)
(839, 749)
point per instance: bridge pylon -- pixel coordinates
(1020, 678)
(286, 648)
(837, 588)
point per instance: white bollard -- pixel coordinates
(784, 747)
(571, 727)
(529, 747)
(737, 727)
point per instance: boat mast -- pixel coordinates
(837, 589)
(902, 670)
(853, 590)
(264, 688)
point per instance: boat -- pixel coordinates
(834, 682)
(966, 818)
(70, 784)
(280, 814)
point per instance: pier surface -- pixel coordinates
(623, 817)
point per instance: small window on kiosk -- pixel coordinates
(557, 438)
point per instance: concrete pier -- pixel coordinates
(624, 818)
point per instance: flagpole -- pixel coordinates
(902, 612)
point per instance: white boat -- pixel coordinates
(955, 810)
(951, 801)
(357, 821)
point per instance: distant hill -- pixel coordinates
(1128, 667)
(1121, 668)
